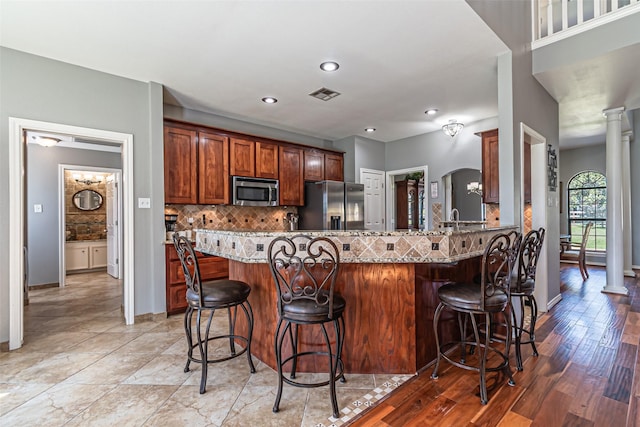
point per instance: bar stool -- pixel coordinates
(488, 298)
(212, 295)
(304, 271)
(522, 286)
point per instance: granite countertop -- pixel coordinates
(448, 244)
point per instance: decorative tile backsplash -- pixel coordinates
(493, 214)
(229, 217)
(527, 218)
(436, 214)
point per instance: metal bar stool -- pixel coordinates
(212, 295)
(486, 299)
(304, 271)
(522, 286)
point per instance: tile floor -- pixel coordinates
(81, 365)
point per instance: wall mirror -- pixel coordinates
(462, 192)
(87, 200)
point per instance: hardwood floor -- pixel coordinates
(586, 373)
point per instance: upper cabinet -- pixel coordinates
(243, 157)
(180, 175)
(291, 176)
(320, 166)
(199, 161)
(490, 167)
(196, 167)
(266, 160)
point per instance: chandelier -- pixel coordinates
(474, 187)
(452, 128)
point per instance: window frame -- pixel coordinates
(599, 223)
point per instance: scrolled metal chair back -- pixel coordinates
(497, 264)
(529, 254)
(304, 268)
(189, 262)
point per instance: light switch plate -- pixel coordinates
(144, 203)
(37, 208)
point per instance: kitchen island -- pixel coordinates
(389, 280)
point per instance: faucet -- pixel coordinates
(455, 216)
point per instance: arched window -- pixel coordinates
(587, 196)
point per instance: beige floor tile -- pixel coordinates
(125, 405)
(254, 407)
(55, 368)
(188, 407)
(56, 342)
(151, 342)
(14, 395)
(103, 343)
(161, 370)
(111, 369)
(55, 406)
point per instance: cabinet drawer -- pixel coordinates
(210, 268)
(176, 299)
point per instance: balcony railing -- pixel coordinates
(557, 19)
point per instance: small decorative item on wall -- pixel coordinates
(434, 189)
(552, 168)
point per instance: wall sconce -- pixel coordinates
(474, 187)
(88, 179)
(452, 128)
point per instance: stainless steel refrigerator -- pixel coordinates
(332, 205)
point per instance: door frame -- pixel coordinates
(391, 190)
(17, 221)
(62, 217)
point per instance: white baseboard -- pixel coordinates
(554, 301)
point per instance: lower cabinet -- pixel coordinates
(85, 255)
(211, 267)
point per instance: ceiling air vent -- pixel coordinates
(324, 94)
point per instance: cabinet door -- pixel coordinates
(76, 257)
(313, 165)
(490, 167)
(243, 157)
(266, 160)
(333, 167)
(98, 256)
(180, 166)
(213, 169)
(291, 176)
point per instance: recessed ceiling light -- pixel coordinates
(329, 66)
(269, 100)
(370, 130)
(431, 111)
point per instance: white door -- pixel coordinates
(113, 227)
(373, 181)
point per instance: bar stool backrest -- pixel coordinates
(498, 261)
(304, 268)
(528, 256)
(189, 262)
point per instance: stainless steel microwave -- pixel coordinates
(255, 191)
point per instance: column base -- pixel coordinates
(618, 290)
(629, 273)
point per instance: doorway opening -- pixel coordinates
(18, 129)
(417, 212)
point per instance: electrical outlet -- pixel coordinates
(37, 208)
(190, 220)
(144, 203)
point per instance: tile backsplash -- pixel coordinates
(228, 217)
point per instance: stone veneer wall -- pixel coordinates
(79, 224)
(229, 217)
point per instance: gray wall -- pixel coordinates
(42, 188)
(440, 152)
(41, 89)
(469, 205)
(521, 99)
(369, 154)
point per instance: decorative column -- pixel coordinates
(615, 245)
(627, 231)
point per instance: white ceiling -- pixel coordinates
(397, 59)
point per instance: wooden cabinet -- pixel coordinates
(266, 160)
(85, 255)
(407, 205)
(526, 172)
(490, 167)
(313, 165)
(291, 176)
(319, 166)
(243, 157)
(333, 167)
(211, 267)
(196, 166)
(213, 170)
(180, 175)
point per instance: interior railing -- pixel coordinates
(554, 17)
